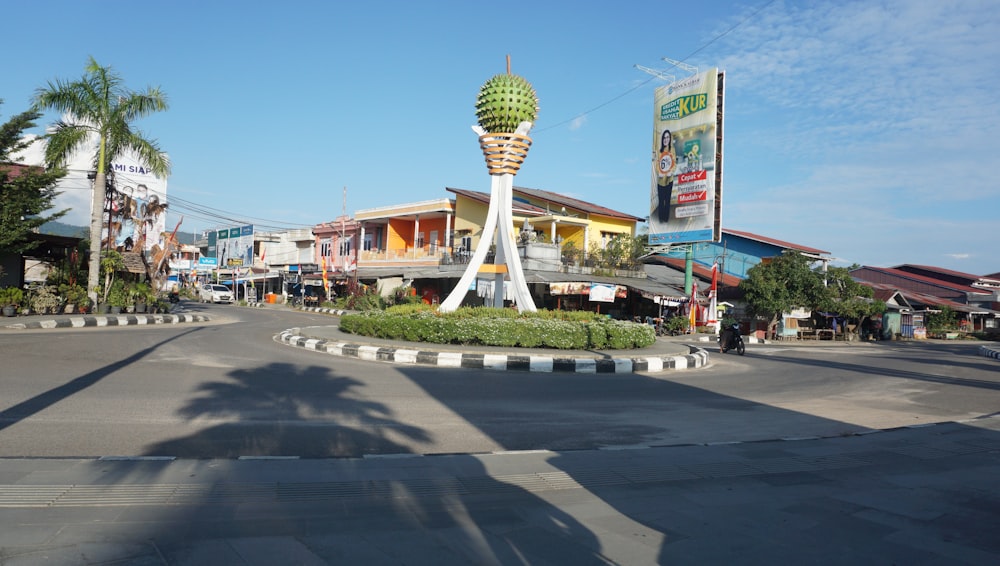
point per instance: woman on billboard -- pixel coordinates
(666, 162)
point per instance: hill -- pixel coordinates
(57, 228)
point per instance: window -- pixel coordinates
(325, 247)
(345, 246)
(420, 240)
(606, 237)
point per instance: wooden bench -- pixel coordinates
(825, 334)
(807, 331)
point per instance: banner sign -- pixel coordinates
(686, 126)
(601, 291)
(234, 246)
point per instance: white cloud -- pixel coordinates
(882, 113)
(577, 123)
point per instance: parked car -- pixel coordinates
(215, 294)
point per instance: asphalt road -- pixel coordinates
(226, 390)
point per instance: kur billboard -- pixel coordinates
(686, 197)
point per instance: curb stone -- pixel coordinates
(992, 351)
(110, 320)
(324, 310)
(502, 362)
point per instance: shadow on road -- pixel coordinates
(42, 401)
(284, 409)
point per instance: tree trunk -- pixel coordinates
(96, 226)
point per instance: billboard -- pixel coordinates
(138, 201)
(686, 192)
(234, 247)
(142, 197)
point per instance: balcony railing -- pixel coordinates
(421, 254)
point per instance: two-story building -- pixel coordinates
(427, 245)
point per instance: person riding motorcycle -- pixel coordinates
(730, 337)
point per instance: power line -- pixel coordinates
(650, 79)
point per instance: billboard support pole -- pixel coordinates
(688, 269)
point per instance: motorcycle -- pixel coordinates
(730, 338)
(174, 297)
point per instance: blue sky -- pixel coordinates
(861, 128)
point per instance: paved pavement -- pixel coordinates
(920, 495)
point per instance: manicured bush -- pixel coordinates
(498, 327)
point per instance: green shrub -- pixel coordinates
(11, 296)
(498, 327)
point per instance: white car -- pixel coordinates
(215, 294)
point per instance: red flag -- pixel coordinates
(713, 314)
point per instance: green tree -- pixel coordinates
(847, 297)
(943, 319)
(25, 192)
(98, 115)
(781, 284)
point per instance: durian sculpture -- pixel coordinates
(506, 108)
(504, 102)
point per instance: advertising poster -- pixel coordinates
(683, 196)
(595, 291)
(234, 246)
(143, 196)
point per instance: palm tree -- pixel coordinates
(98, 112)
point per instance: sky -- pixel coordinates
(862, 128)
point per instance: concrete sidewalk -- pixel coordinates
(924, 495)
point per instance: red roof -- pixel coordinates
(521, 208)
(577, 204)
(940, 270)
(698, 270)
(774, 242)
(925, 299)
(922, 279)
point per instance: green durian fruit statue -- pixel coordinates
(504, 102)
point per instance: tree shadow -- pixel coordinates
(310, 411)
(483, 515)
(283, 410)
(658, 515)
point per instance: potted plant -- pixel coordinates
(45, 300)
(75, 297)
(143, 295)
(118, 296)
(10, 299)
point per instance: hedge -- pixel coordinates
(485, 326)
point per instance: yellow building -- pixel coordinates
(569, 222)
(425, 245)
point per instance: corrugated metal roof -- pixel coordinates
(518, 208)
(775, 242)
(915, 298)
(921, 279)
(577, 204)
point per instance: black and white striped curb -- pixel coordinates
(990, 351)
(501, 362)
(111, 320)
(323, 310)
